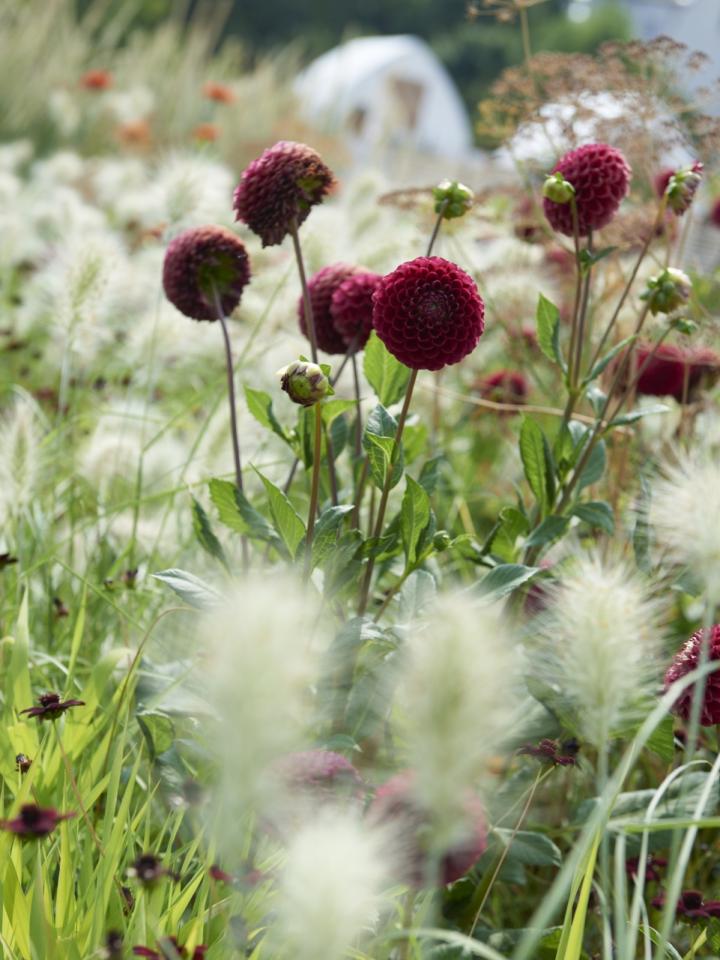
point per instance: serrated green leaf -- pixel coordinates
(414, 518)
(334, 408)
(386, 375)
(189, 588)
(325, 535)
(504, 578)
(288, 522)
(204, 533)
(547, 318)
(236, 512)
(529, 847)
(597, 513)
(379, 443)
(550, 529)
(259, 404)
(537, 463)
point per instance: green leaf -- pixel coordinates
(236, 512)
(414, 518)
(158, 731)
(547, 318)
(551, 528)
(386, 375)
(430, 474)
(504, 578)
(634, 415)
(260, 406)
(642, 534)
(325, 534)
(513, 524)
(595, 467)
(287, 521)
(333, 408)
(189, 588)
(204, 533)
(537, 463)
(379, 442)
(597, 513)
(416, 595)
(662, 740)
(529, 847)
(609, 356)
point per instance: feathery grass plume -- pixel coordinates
(330, 888)
(684, 510)
(21, 459)
(600, 638)
(261, 649)
(455, 699)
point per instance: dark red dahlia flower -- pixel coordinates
(600, 176)
(164, 952)
(148, 870)
(684, 662)
(279, 187)
(395, 806)
(503, 386)
(715, 213)
(653, 865)
(320, 774)
(428, 313)
(51, 706)
(672, 371)
(204, 266)
(552, 751)
(321, 287)
(34, 822)
(351, 308)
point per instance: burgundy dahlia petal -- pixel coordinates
(395, 806)
(279, 187)
(321, 287)
(203, 265)
(684, 662)
(351, 308)
(428, 313)
(600, 176)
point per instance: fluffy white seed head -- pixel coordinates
(456, 697)
(685, 512)
(20, 464)
(330, 888)
(600, 639)
(261, 663)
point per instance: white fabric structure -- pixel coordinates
(385, 92)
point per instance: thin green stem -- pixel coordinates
(315, 487)
(307, 302)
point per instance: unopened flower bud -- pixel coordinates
(667, 291)
(306, 383)
(558, 189)
(441, 540)
(452, 199)
(682, 186)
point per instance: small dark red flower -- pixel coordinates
(395, 806)
(51, 706)
(428, 313)
(600, 176)
(715, 213)
(164, 952)
(560, 755)
(204, 266)
(282, 185)
(96, 80)
(34, 822)
(148, 870)
(351, 308)
(219, 92)
(219, 875)
(685, 661)
(321, 288)
(22, 763)
(503, 386)
(652, 865)
(113, 946)
(672, 371)
(691, 905)
(319, 774)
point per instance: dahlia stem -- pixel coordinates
(307, 302)
(233, 414)
(583, 316)
(365, 591)
(358, 416)
(315, 487)
(436, 407)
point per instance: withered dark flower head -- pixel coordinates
(164, 951)
(22, 763)
(34, 822)
(51, 707)
(148, 870)
(113, 946)
(560, 755)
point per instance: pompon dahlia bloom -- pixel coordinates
(279, 187)
(204, 263)
(600, 176)
(34, 822)
(503, 386)
(672, 371)
(321, 288)
(395, 806)
(684, 662)
(428, 313)
(351, 308)
(320, 775)
(715, 213)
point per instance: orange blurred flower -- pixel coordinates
(219, 92)
(134, 133)
(96, 80)
(207, 132)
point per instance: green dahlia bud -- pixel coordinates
(452, 199)
(306, 383)
(558, 189)
(682, 186)
(441, 540)
(667, 291)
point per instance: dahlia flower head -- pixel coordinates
(205, 267)
(428, 313)
(600, 177)
(503, 386)
(396, 807)
(320, 775)
(673, 371)
(341, 300)
(280, 188)
(685, 661)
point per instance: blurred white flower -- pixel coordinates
(21, 437)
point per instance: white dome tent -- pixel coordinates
(386, 95)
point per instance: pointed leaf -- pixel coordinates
(288, 522)
(386, 375)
